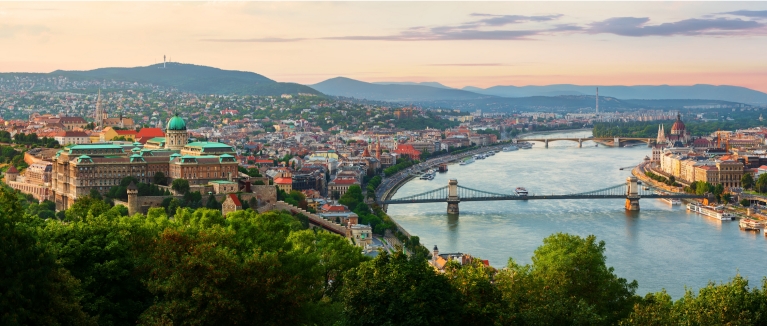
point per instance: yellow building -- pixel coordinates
(110, 133)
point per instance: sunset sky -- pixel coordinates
(456, 43)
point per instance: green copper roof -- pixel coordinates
(205, 144)
(176, 123)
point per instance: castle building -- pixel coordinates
(79, 168)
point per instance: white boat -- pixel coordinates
(429, 175)
(520, 191)
(467, 161)
(710, 211)
(525, 145)
(672, 201)
(748, 224)
(479, 157)
(510, 148)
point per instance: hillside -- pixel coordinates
(661, 92)
(341, 86)
(193, 78)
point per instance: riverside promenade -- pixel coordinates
(389, 185)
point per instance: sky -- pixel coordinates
(459, 44)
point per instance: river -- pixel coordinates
(660, 246)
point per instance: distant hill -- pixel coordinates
(661, 92)
(432, 84)
(194, 78)
(341, 86)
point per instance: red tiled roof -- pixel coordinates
(12, 169)
(344, 181)
(148, 133)
(125, 132)
(283, 180)
(235, 200)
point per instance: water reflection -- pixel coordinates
(660, 246)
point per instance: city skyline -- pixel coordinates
(457, 44)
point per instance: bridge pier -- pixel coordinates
(632, 194)
(617, 142)
(580, 142)
(452, 197)
(546, 143)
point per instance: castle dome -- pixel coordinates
(678, 128)
(176, 123)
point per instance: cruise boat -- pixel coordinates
(522, 192)
(510, 148)
(525, 145)
(710, 211)
(429, 175)
(479, 157)
(490, 153)
(748, 224)
(672, 201)
(467, 161)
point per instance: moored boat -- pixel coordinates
(510, 148)
(748, 224)
(710, 211)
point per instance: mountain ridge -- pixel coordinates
(193, 78)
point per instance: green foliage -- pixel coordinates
(745, 202)
(396, 290)
(761, 183)
(160, 178)
(671, 181)
(747, 181)
(732, 303)
(567, 283)
(180, 186)
(34, 288)
(403, 163)
(253, 172)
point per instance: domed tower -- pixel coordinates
(175, 133)
(11, 174)
(132, 199)
(678, 128)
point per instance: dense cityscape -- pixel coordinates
(625, 186)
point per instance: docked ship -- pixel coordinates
(672, 201)
(467, 161)
(715, 212)
(748, 224)
(479, 157)
(521, 192)
(525, 145)
(510, 148)
(429, 175)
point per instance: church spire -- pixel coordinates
(98, 116)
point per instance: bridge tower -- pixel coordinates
(546, 143)
(617, 142)
(452, 196)
(632, 194)
(580, 142)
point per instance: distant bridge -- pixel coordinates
(616, 140)
(454, 194)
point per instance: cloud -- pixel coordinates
(473, 30)
(502, 20)
(637, 26)
(253, 40)
(748, 13)
(467, 64)
(8, 31)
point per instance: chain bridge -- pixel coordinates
(453, 194)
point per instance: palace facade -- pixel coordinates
(80, 168)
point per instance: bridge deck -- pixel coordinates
(512, 197)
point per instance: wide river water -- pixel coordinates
(660, 246)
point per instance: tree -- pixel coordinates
(747, 181)
(95, 194)
(481, 300)
(160, 178)
(395, 290)
(745, 202)
(212, 203)
(180, 186)
(34, 289)
(761, 183)
(567, 283)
